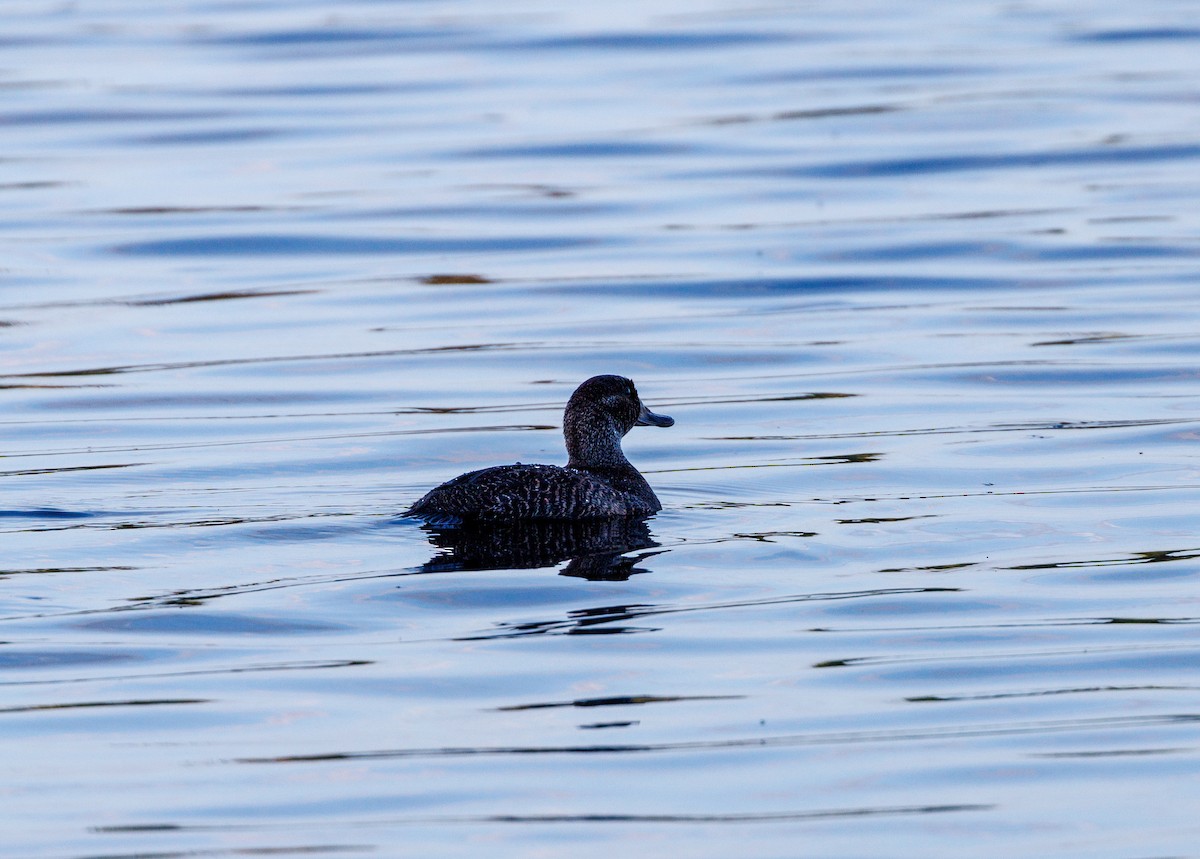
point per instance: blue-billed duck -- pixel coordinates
(597, 482)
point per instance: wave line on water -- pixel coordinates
(939, 733)
(26, 472)
(1044, 426)
(278, 440)
(118, 369)
(592, 617)
(1053, 623)
(1039, 693)
(884, 496)
(132, 702)
(616, 817)
(309, 665)
(1010, 657)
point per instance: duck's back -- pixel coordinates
(530, 492)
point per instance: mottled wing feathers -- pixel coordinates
(522, 492)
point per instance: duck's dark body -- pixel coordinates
(598, 481)
(538, 492)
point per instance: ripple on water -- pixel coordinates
(292, 245)
(188, 621)
(12, 658)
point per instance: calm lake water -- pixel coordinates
(917, 282)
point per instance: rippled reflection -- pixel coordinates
(593, 549)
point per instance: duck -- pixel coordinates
(598, 482)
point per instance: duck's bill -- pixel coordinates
(648, 419)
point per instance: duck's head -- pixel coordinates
(616, 397)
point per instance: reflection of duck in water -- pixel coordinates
(594, 548)
(598, 482)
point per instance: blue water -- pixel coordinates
(917, 284)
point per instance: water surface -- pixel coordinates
(917, 285)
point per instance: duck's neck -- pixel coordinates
(593, 440)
